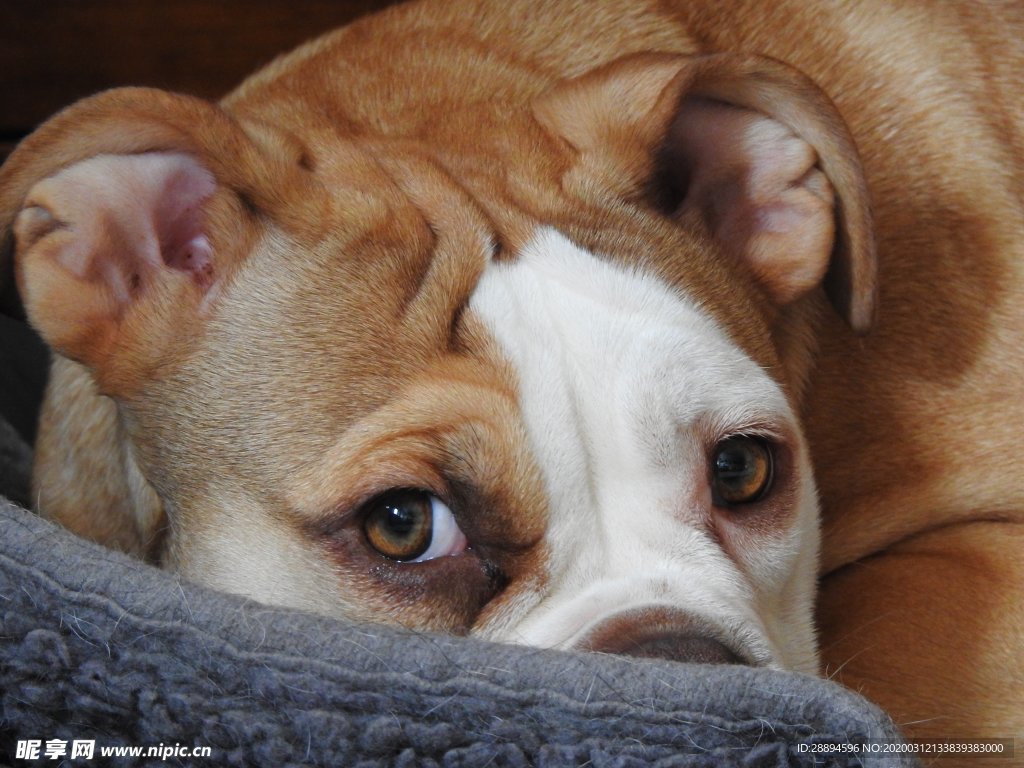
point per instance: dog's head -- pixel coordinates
(531, 372)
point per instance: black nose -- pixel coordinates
(659, 633)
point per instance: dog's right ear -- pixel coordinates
(744, 147)
(125, 215)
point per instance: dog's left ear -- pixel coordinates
(745, 145)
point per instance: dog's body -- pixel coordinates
(545, 261)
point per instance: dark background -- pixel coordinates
(53, 52)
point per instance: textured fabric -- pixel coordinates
(94, 645)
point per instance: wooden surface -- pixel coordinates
(53, 52)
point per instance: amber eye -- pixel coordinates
(741, 471)
(412, 526)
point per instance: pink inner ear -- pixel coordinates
(105, 236)
(195, 256)
(757, 187)
(178, 220)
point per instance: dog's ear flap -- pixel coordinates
(103, 244)
(124, 216)
(745, 145)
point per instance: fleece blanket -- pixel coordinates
(107, 661)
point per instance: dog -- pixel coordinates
(608, 326)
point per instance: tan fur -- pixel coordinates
(913, 428)
(82, 429)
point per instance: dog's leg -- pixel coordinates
(84, 475)
(933, 631)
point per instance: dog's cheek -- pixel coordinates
(774, 542)
(444, 594)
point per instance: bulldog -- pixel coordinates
(551, 323)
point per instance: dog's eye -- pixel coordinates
(742, 471)
(412, 526)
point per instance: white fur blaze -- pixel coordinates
(623, 384)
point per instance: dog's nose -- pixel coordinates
(661, 634)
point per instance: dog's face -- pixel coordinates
(542, 386)
(563, 441)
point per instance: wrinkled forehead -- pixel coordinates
(593, 341)
(431, 327)
(563, 365)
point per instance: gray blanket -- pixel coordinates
(97, 647)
